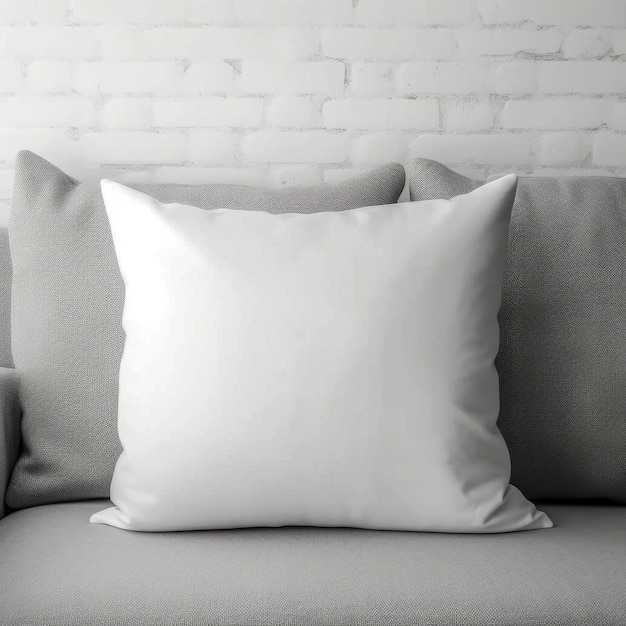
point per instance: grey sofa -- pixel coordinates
(55, 568)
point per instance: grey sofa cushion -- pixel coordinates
(68, 295)
(10, 414)
(562, 360)
(59, 569)
(6, 358)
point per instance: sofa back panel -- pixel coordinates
(562, 359)
(68, 297)
(6, 359)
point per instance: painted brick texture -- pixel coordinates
(295, 92)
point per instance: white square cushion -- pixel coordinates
(332, 369)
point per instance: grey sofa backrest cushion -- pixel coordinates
(562, 360)
(67, 309)
(6, 358)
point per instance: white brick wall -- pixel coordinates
(572, 113)
(294, 92)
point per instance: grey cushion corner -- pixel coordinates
(67, 300)
(388, 178)
(430, 180)
(35, 179)
(31, 164)
(562, 359)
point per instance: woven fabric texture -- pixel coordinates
(6, 358)
(9, 427)
(572, 574)
(67, 299)
(562, 359)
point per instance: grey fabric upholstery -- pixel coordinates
(57, 569)
(6, 359)
(562, 360)
(68, 295)
(10, 414)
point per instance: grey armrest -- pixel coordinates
(10, 417)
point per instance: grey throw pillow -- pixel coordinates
(67, 299)
(562, 360)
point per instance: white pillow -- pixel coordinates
(333, 369)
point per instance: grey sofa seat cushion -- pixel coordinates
(67, 299)
(59, 569)
(562, 360)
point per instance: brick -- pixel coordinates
(402, 13)
(228, 43)
(28, 11)
(473, 149)
(53, 145)
(554, 114)
(513, 78)
(46, 112)
(566, 12)
(209, 112)
(10, 76)
(468, 115)
(378, 148)
(49, 76)
(609, 149)
(602, 77)
(127, 113)
(125, 12)
(441, 78)
(503, 11)
(320, 77)
(208, 77)
(320, 12)
(267, 146)
(396, 43)
(618, 116)
(134, 147)
(47, 42)
(587, 43)
(561, 149)
(293, 113)
(207, 175)
(212, 147)
(289, 42)
(294, 176)
(117, 42)
(198, 43)
(130, 77)
(372, 79)
(381, 114)
(492, 42)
